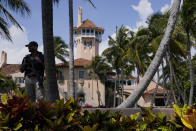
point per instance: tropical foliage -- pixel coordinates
(60, 49)
(19, 113)
(7, 85)
(18, 6)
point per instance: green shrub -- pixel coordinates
(19, 113)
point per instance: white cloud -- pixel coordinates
(102, 46)
(165, 8)
(145, 10)
(15, 50)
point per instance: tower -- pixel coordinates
(87, 37)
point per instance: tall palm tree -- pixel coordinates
(98, 70)
(139, 50)
(18, 6)
(115, 54)
(49, 57)
(188, 15)
(71, 51)
(134, 97)
(60, 49)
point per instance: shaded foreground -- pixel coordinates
(19, 113)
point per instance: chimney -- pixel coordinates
(3, 59)
(79, 16)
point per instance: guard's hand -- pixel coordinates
(38, 59)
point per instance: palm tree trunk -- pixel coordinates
(155, 91)
(190, 69)
(134, 97)
(178, 87)
(71, 56)
(92, 86)
(114, 104)
(122, 90)
(168, 59)
(98, 94)
(49, 58)
(164, 81)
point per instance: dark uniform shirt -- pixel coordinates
(33, 68)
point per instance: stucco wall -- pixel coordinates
(90, 88)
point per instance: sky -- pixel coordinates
(108, 14)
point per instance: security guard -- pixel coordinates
(33, 68)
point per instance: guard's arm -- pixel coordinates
(22, 66)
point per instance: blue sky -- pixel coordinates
(108, 14)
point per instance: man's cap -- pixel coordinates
(32, 43)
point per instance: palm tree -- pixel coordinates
(49, 57)
(157, 24)
(139, 50)
(71, 55)
(71, 51)
(18, 6)
(115, 54)
(98, 70)
(133, 98)
(188, 15)
(60, 49)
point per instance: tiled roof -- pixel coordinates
(159, 91)
(78, 63)
(88, 24)
(9, 69)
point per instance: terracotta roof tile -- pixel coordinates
(9, 69)
(78, 63)
(159, 91)
(88, 24)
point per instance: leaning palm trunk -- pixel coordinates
(168, 59)
(190, 69)
(71, 56)
(155, 91)
(143, 84)
(47, 24)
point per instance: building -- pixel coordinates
(87, 37)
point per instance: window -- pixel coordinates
(81, 74)
(85, 44)
(124, 82)
(19, 80)
(87, 31)
(61, 82)
(133, 82)
(129, 82)
(90, 44)
(60, 75)
(159, 102)
(92, 31)
(65, 95)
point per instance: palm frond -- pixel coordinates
(4, 32)
(17, 6)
